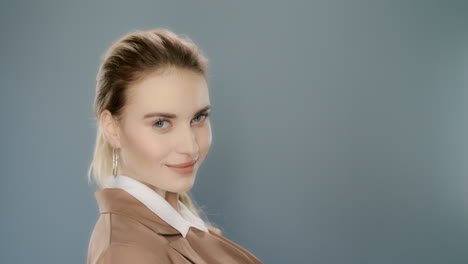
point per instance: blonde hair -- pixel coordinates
(128, 60)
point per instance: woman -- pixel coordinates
(152, 104)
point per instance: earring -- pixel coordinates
(115, 162)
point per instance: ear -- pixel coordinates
(110, 128)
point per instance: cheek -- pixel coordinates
(146, 145)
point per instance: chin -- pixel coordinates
(183, 185)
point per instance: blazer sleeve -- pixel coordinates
(131, 254)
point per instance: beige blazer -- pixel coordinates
(128, 232)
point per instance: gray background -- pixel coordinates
(339, 127)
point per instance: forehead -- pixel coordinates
(174, 90)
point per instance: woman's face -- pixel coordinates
(150, 141)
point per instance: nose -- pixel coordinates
(187, 142)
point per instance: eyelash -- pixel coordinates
(162, 119)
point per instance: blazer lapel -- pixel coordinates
(214, 249)
(182, 246)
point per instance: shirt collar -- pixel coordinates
(158, 205)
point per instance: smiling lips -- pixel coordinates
(182, 165)
(183, 168)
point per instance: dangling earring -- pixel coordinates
(115, 162)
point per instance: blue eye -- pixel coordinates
(159, 122)
(205, 115)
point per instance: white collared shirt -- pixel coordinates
(158, 204)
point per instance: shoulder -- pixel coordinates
(113, 228)
(131, 254)
(126, 254)
(121, 239)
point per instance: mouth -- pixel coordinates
(182, 165)
(188, 169)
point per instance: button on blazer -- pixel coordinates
(128, 232)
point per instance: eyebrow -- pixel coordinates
(174, 116)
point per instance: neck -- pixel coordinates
(171, 197)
